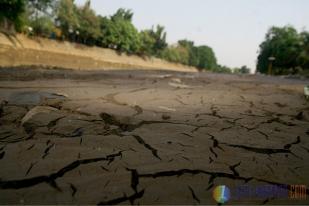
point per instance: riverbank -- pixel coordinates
(20, 50)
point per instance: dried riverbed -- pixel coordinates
(150, 138)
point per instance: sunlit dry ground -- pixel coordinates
(150, 138)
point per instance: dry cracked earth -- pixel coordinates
(151, 138)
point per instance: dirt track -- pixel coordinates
(150, 137)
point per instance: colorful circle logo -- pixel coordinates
(221, 194)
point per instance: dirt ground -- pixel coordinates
(150, 137)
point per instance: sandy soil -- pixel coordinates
(137, 137)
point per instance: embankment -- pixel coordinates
(21, 50)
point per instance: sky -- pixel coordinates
(233, 28)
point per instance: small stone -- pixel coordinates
(165, 117)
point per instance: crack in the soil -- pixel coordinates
(127, 127)
(78, 132)
(104, 168)
(134, 179)
(213, 152)
(124, 198)
(185, 145)
(73, 188)
(2, 154)
(214, 113)
(269, 121)
(146, 145)
(188, 135)
(267, 151)
(30, 167)
(54, 122)
(194, 195)
(288, 146)
(181, 172)
(280, 121)
(29, 148)
(181, 102)
(233, 168)
(215, 142)
(264, 134)
(9, 134)
(51, 178)
(225, 128)
(46, 152)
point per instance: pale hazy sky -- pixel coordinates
(233, 28)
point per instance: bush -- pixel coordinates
(42, 26)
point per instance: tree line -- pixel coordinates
(63, 19)
(286, 50)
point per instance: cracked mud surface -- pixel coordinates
(150, 138)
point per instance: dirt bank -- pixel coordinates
(21, 50)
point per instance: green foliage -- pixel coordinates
(81, 24)
(159, 36)
(122, 14)
(241, 70)
(303, 58)
(38, 18)
(289, 48)
(223, 69)
(42, 26)
(206, 58)
(120, 34)
(201, 57)
(193, 53)
(12, 10)
(177, 54)
(88, 24)
(67, 17)
(147, 43)
(40, 6)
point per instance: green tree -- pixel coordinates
(42, 26)
(67, 17)
(119, 33)
(12, 10)
(122, 14)
(223, 69)
(88, 24)
(39, 15)
(303, 58)
(206, 58)
(285, 45)
(177, 54)
(202, 57)
(242, 70)
(193, 51)
(147, 43)
(39, 7)
(159, 36)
